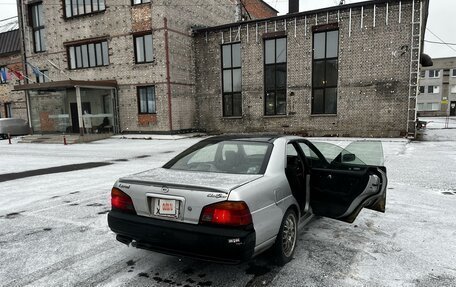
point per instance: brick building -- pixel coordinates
(438, 89)
(124, 64)
(160, 66)
(12, 103)
(349, 70)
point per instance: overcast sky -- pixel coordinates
(439, 22)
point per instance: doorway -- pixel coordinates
(75, 117)
(452, 108)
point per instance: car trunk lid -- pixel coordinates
(179, 195)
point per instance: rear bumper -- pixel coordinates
(183, 239)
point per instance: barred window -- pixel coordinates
(81, 7)
(88, 55)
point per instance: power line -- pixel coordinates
(441, 40)
(6, 19)
(441, 43)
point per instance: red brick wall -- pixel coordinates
(145, 120)
(258, 9)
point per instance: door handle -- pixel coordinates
(329, 176)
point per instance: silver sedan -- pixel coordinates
(229, 198)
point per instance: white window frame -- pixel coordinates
(435, 90)
(453, 89)
(436, 74)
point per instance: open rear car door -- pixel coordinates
(344, 180)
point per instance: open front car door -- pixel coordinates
(343, 181)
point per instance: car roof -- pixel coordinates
(266, 138)
(245, 137)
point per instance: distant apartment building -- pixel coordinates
(437, 95)
(12, 103)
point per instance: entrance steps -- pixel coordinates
(58, 138)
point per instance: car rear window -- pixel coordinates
(238, 157)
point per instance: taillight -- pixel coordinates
(121, 201)
(230, 213)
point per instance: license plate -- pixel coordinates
(166, 207)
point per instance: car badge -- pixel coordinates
(165, 189)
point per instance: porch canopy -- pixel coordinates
(72, 106)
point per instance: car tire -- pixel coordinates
(286, 240)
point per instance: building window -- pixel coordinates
(434, 73)
(325, 72)
(81, 7)
(433, 89)
(43, 77)
(275, 76)
(422, 89)
(136, 2)
(453, 89)
(146, 100)
(8, 110)
(428, 106)
(3, 75)
(144, 51)
(88, 55)
(232, 80)
(423, 74)
(453, 73)
(37, 23)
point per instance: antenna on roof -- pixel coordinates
(342, 2)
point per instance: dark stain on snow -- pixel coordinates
(157, 279)
(447, 193)
(66, 201)
(142, 156)
(143, 274)
(168, 151)
(55, 196)
(94, 204)
(13, 215)
(190, 280)
(121, 159)
(188, 271)
(51, 170)
(257, 270)
(131, 262)
(74, 192)
(103, 212)
(74, 204)
(47, 229)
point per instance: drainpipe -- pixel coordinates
(168, 77)
(20, 17)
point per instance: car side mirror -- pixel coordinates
(348, 157)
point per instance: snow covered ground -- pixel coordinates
(53, 229)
